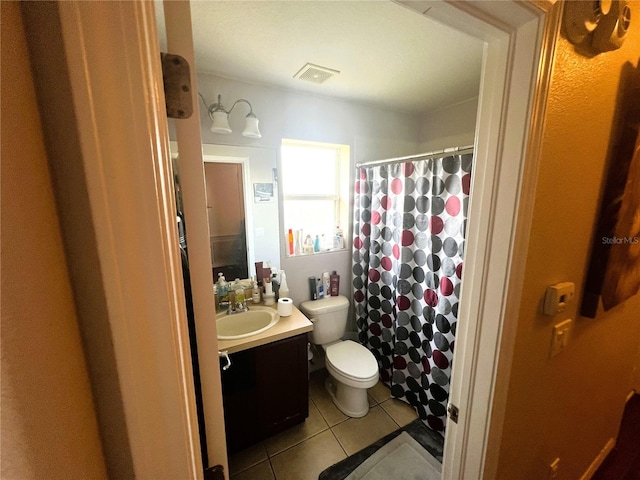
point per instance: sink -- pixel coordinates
(240, 325)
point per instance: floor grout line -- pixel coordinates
(273, 470)
(296, 444)
(373, 403)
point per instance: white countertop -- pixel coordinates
(295, 324)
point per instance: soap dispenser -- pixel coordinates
(223, 291)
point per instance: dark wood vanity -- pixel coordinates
(265, 391)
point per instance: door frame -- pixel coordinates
(520, 41)
(518, 60)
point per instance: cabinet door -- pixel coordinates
(282, 384)
(239, 401)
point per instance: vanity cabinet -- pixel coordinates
(265, 391)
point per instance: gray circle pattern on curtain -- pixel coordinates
(409, 224)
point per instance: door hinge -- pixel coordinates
(453, 412)
(214, 473)
(177, 86)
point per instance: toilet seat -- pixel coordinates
(352, 361)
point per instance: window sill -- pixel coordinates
(311, 254)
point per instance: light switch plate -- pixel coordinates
(560, 337)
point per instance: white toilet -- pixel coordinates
(351, 366)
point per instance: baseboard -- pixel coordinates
(599, 459)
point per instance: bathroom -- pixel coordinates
(371, 129)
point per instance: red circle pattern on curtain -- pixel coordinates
(408, 247)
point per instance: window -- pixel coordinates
(315, 183)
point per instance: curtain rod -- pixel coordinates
(456, 150)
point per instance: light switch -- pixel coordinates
(259, 232)
(560, 337)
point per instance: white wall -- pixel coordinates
(370, 131)
(452, 126)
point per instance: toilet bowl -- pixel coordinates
(352, 370)
(352, 367)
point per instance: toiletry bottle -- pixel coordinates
(276, 288)
(316, 244)
(308, 244)
(255, 293)
(238, 288)
(334, 281)
(223, 291)
(290, 238)
(326, 283)
(284, 288)
(269, 295)
(320, 288)
(313, 289)
(299, 242)
(259, 273)
(340, 237)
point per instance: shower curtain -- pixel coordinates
(409, 227)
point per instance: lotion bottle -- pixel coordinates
(255, 292)
(334, 281)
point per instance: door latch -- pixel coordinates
(453, 412)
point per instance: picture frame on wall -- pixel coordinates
(614, 269)
(262, 192)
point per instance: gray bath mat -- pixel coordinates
(431, 441)
(401, 459)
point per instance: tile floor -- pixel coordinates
(326, 437)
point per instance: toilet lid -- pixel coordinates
(352, 360)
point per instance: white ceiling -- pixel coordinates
(386, 54)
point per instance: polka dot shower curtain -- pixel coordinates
(409, 224)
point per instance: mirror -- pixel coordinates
(242, 207)
(226, 217)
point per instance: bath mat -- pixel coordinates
(431, 441)
(401, 458)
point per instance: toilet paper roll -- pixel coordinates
(285, 307)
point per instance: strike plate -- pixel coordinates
(453, 412)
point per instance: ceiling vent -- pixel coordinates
(315, 73)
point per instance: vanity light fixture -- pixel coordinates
(219, 116)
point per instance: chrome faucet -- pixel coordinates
(237, 307)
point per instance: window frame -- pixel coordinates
(340, 196)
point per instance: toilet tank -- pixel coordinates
(329, 317)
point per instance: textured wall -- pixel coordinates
(49, 428)
(571, 405)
